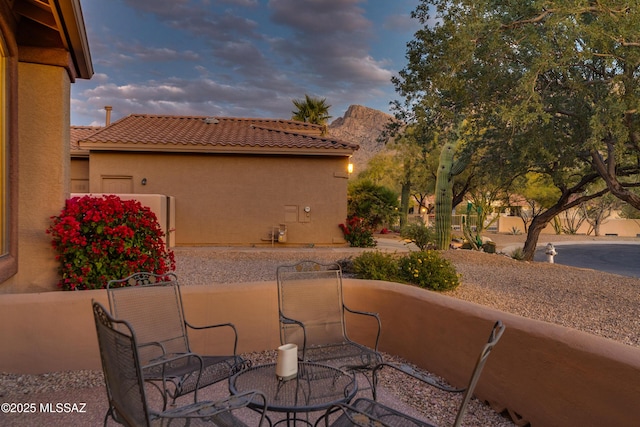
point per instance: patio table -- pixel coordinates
(316, 387)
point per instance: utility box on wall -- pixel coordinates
(305, 214)
(290, 213)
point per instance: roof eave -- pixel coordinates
(68, 14)
(88, 146)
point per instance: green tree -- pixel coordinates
(311, 110)
(629, 212)
(539, 194)
(410, 157)
(382, 169)
(375, 204)
(597, 211)
(554, 87)
(405, 166)
(418, 151)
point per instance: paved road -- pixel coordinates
(618, 258)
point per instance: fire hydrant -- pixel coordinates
(551, 252)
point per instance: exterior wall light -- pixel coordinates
(350, 168)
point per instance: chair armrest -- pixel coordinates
(356, 417)
(289, 321)
(209, 409)
(155, 344)
(412, 372)
(172, 359)
(219, 325)
(254, 398)
(370, 314)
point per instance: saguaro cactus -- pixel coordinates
(473, 237)
(447, 169)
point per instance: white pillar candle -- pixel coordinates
(287, 362)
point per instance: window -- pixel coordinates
(4, 156)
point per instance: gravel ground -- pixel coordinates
(602, 304)
(599, 303)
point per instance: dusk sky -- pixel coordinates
(240, 58)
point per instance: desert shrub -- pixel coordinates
(429, 270)
(346, 265)
(357, 233)
(420, 234)
(518, 254)
(426, 269)
(97, 239)
(376, 265)
(375, 204)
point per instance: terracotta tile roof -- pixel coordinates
(80, 132)
(141, 132)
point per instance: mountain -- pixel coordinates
(361, 125)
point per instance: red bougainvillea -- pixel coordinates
(356, 233)
(98, 239)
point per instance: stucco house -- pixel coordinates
(234, 181)
(79, 174)
(43, 50)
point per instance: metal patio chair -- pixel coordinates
(152, 305)
(312, 315)
(126, 392)
(368, 413)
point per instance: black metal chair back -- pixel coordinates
(126, 391)
(312, 315)
(152, 305)
(368, 413)
(121, 368)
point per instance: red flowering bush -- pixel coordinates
(98, 239)
(357, 234)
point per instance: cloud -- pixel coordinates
(331, 42)
(185, 97)
(320, 17)
(245, 3)
(100, 78)
(200, 19)
(400, 23)
(155, 54)
(241, 58)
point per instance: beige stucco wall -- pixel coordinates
(237, 199)
(550, 375)
(43, 165)
(618, 227)
(79, 175)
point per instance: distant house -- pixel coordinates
(79, 174)
(43, 50)
(235, 181)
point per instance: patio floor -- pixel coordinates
(91, 403)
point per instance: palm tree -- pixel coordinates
(311, 110)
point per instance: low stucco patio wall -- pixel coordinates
(547, 374)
